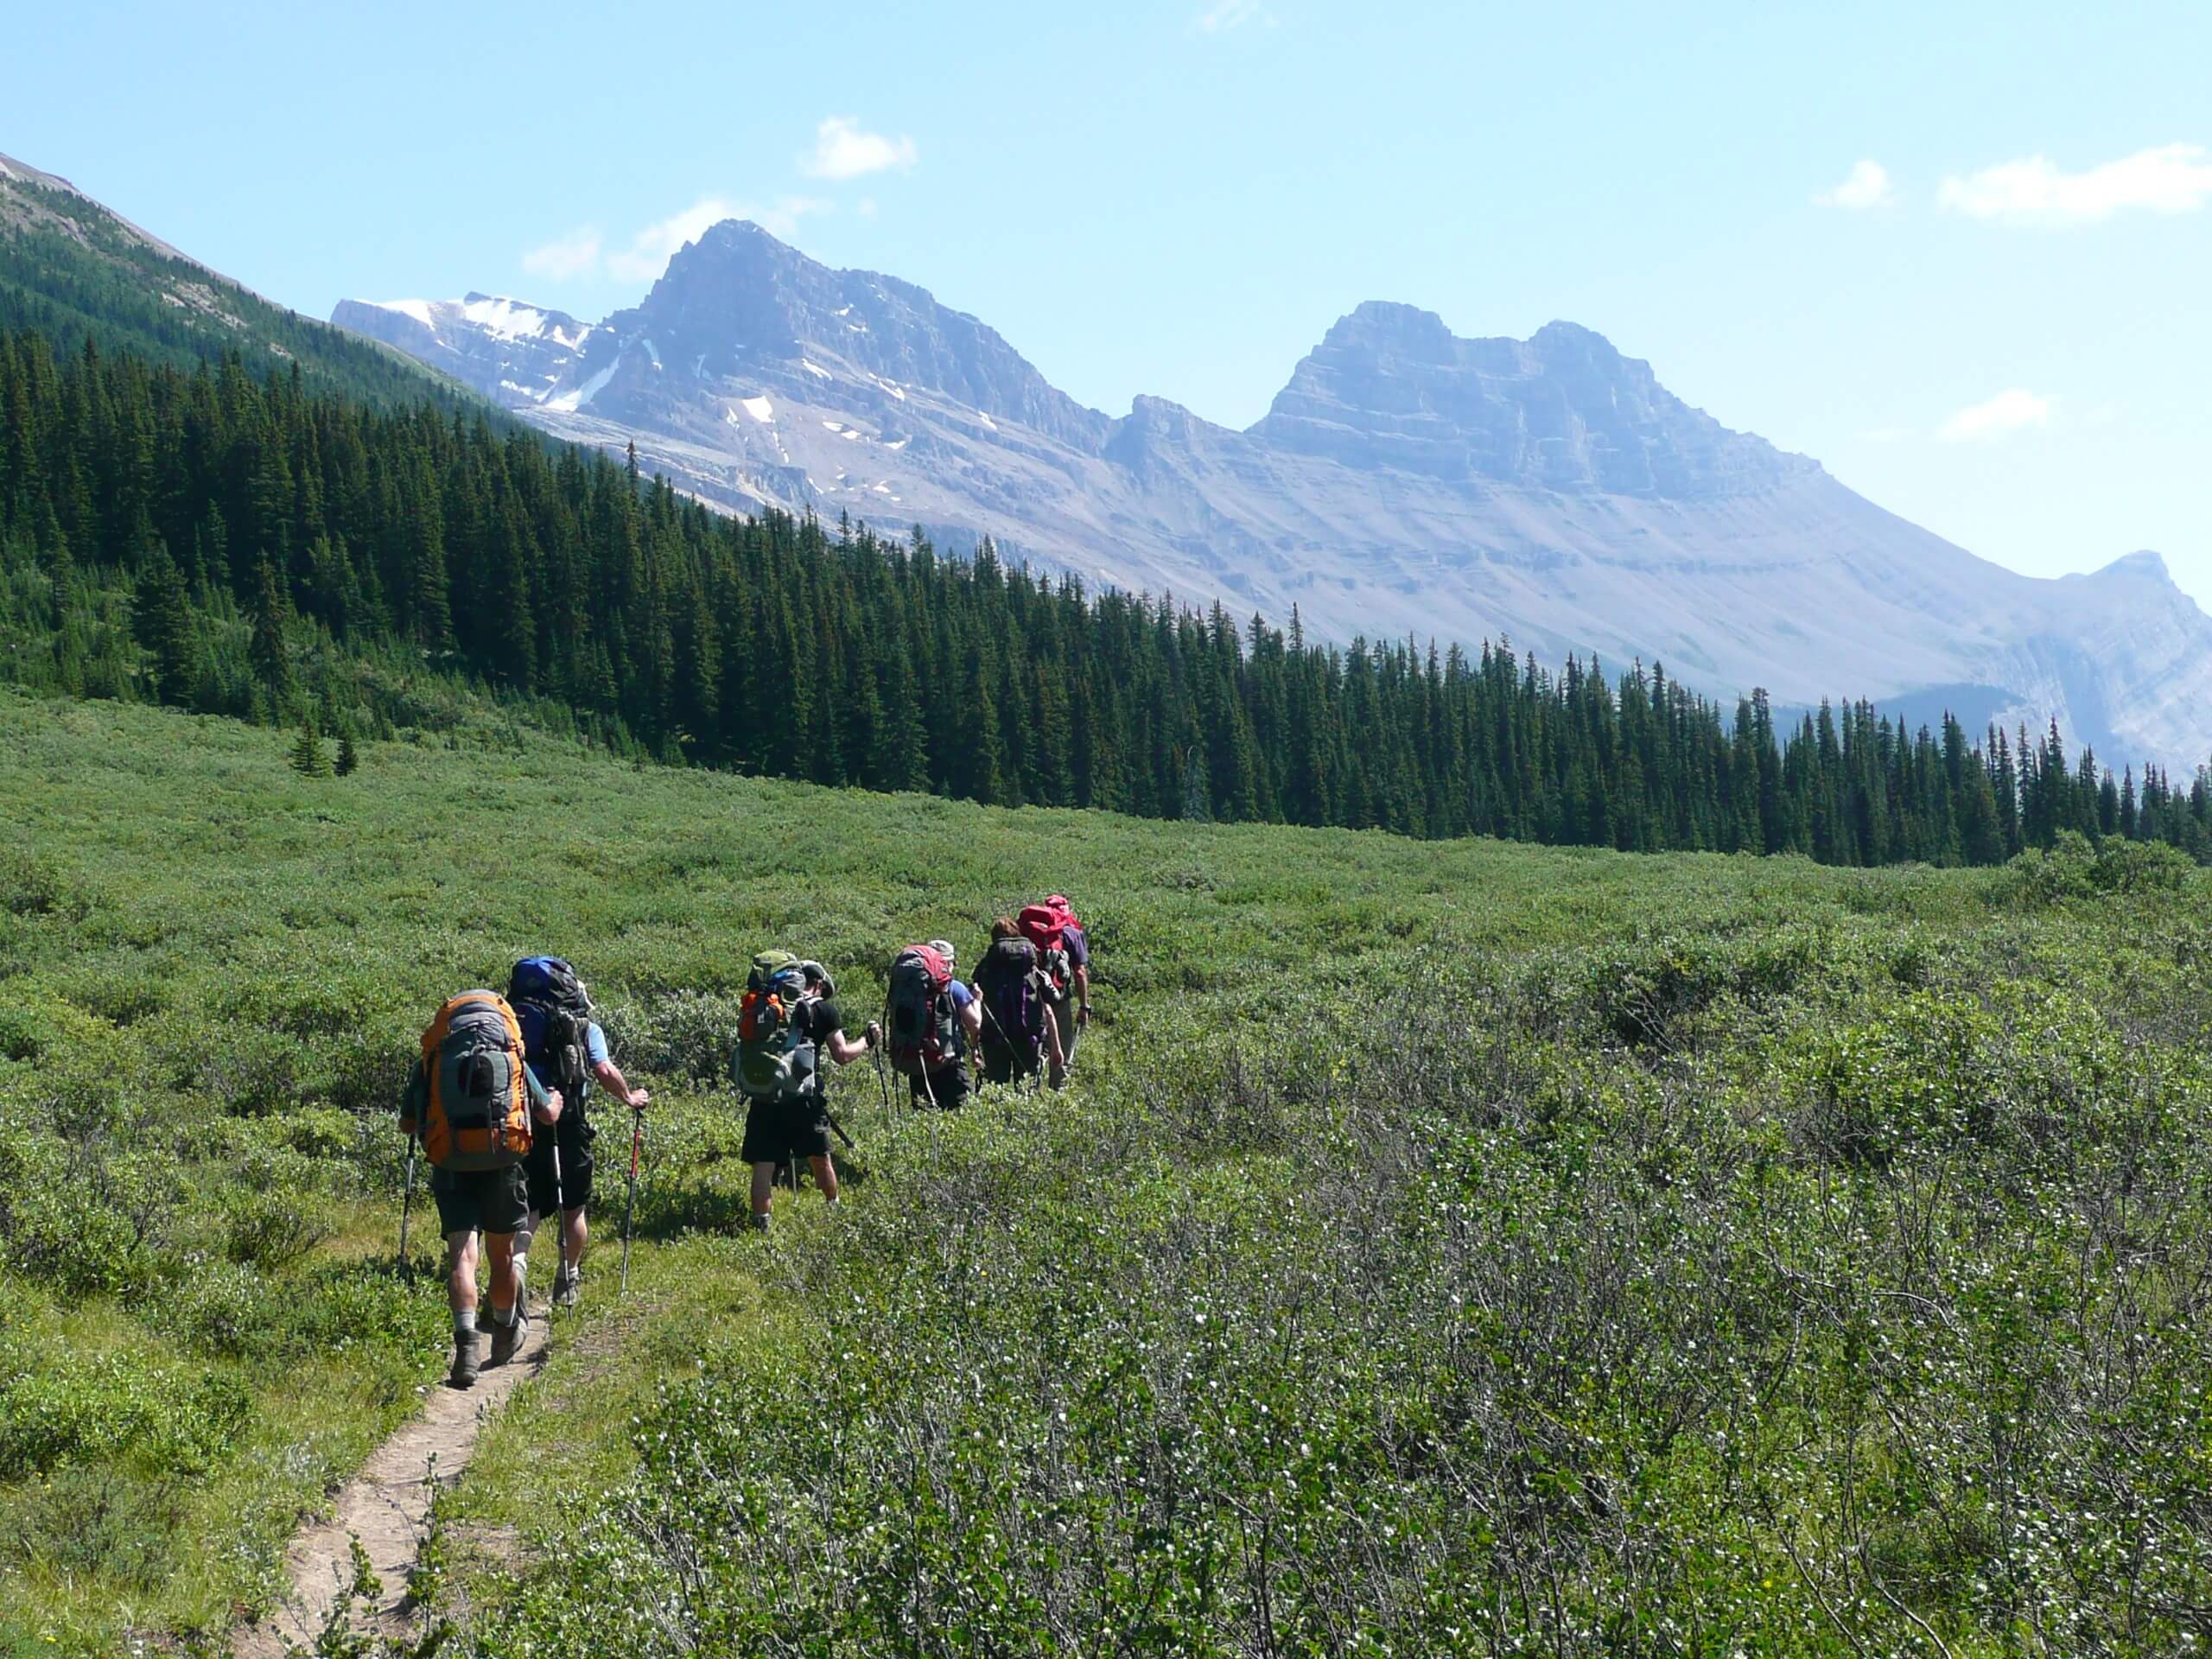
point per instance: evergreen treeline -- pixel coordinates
(103, 281)
(227, 543)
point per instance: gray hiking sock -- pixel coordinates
(464, 1320)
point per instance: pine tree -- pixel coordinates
(307, 758)
(348, 761)
(161, 618)
(271, 653)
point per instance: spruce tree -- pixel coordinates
(307, 758)
(161, 618)
(348, 761)
(271, 653)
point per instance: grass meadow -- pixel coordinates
(1444, 1248)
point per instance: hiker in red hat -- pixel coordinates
(1065, 955)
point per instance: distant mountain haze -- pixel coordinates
(1405, 482)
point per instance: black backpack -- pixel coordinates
(1013, 987)
(556, 1008)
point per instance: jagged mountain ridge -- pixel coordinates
(1405, 481)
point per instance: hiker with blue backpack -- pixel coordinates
(931, 1021)
(1021, 1032)
(787, 1019)
(565, 1050)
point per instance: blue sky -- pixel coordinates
(1962, 254)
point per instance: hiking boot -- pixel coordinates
(468, 1349)
(567, 1286)
(505, 1338)
(758, 1222)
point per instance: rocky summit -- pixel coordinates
(1406, 481)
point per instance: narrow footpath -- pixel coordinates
(386, 1505)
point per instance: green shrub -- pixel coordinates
(2073, 871)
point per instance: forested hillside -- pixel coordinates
(242, 543)
(71, 270)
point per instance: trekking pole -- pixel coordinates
(560, 1222)
(407, 1203)
(630, 1209)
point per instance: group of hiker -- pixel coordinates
(498, 1100)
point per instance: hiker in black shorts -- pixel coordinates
(937, 1022)
(473, 1101)
(788, 1118)
(566, 1050)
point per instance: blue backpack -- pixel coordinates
(552, 1006)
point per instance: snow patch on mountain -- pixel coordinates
(580, 397)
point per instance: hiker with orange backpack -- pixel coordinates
(787, 1019)
(930, 1023)
(1064, 953)
(473, 1099)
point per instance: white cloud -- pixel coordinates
(2009, 411)
(2169, 178)
(1866, 186)
(649, 250)
(845, 150)
(575, 254)
(1226, 15)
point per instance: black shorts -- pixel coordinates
(481, 1200)
(1003, 1064)
(573, 1191)
(946, 1090)
(777, 1131)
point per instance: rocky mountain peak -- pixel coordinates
(740, 303)
(1391, 386)
(2143, 566)
(1380, 328)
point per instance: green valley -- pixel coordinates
(1444, 1246)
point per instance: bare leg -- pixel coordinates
(500, 1246)
(764, 1185)
(825, 1176)
(460, 1277)
(573, 1233)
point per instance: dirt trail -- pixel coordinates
(386, 1505)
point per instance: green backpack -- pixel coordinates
(774, 1060)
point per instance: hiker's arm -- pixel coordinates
(845, 1049)
(610, 1077)
(1052, 1037)
(546, 1102)
(971, 1016)
(1083, 993)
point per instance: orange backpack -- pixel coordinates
(470, 1100)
